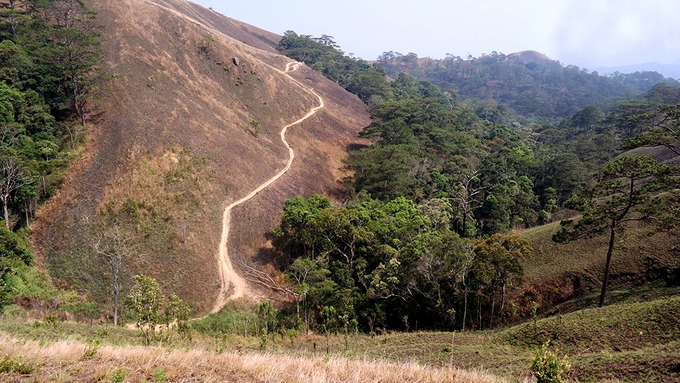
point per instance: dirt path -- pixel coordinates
(230, 280)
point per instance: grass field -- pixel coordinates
(623, 342)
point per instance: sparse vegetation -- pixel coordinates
(255, 128)
(207, 45)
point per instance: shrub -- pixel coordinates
(12, 365)
(547, 367)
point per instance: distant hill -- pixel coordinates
(528, 57)
(187, 122)
(668, 70)
(528, 82)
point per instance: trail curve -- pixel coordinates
(228, 276)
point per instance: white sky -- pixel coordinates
(587, 33)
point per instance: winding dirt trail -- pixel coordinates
(229, 278)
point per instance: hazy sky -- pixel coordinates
(587, 33)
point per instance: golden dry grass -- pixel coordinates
(65, 361)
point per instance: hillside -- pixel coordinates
(645, 265)
(179, 131)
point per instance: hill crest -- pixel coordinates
(529, 56)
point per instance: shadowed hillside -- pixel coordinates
(188, 121)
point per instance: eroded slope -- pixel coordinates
(179, 132)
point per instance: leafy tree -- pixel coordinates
(501, 255)
(153, 313)
(145, 301)
(73, 49)
(563, 172)
(324, 55)
(344, 231)
(438, 212)
(495, 213)
(624, 186)
(369, 83)
(49, 52)
(664, 129)
(626, 117)
(308, 277)
(296, 233)
(537, 89)
(266, 313)
(588, 118)
(388, 264)
(548, 368)
(177, 314)
(383, 171)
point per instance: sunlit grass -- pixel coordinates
(66, 360)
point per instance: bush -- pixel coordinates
(547, 368)
(15, 365)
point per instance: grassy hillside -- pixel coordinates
(559, 272)
(179, 131)
(627, 342)
(623, 342)
(68, 352)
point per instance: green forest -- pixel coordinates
(49, 53)
(463, 153)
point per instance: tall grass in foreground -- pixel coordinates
(72, 361)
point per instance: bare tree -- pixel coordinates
(10, 180)
(75, 132)
(13, 11)
(467, 193)
(113, 247)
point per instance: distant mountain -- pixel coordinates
(668, 70)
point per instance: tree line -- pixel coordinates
(392, 265)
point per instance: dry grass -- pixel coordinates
(66, 361)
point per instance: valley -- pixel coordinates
(188, 197)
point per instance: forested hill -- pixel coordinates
(452, 170)
(527, 82)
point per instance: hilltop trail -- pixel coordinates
(229, 278)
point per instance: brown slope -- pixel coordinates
(177, 136)
(239, 31)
